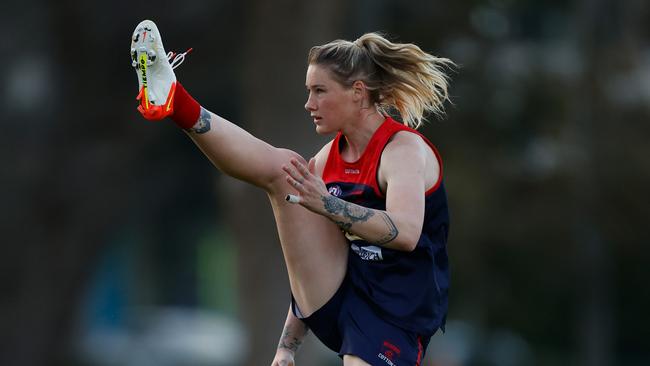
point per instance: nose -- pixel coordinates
(310, 105)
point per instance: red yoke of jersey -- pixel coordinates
(363, 172)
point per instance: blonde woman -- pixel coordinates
(363, 224)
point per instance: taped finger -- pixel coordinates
(292, 198)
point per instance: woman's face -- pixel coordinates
(331, 105)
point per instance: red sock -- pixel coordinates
(186, 109)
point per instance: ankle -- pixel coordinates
(186, 108)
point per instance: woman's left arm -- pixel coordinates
(403, 169)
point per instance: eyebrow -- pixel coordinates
(315, 86)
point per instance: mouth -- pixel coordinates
(317, 119)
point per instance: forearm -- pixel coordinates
(293, 333)
(378, 227)
(234, 151)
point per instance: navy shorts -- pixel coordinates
(347, 324)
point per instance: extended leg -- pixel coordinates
(315, 251)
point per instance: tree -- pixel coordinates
(277, 38)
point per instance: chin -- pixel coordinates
(322, 130)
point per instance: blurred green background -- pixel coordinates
(122, 245)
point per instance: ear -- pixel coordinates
(359, 90)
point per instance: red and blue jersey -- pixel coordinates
(408, 289)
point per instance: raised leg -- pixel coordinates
(315, 250)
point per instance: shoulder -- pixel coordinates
(321, 157)
(408, 156)
(405, 151)
(405, 142)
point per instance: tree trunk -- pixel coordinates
(594, 289)
(277, 39)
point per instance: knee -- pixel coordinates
(290, 154)
(350, 360)
(279, 183)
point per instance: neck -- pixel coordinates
(357, 135)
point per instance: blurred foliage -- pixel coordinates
(546, 154)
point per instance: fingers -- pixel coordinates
(286, 363)
(292, 198)
(283, 361)
(294, 175)
(301, 168)
(296, 184)
(297, 175)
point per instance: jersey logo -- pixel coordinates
(335, 191)
(352, 171)
(368, 253)
(388, 353)
(385, 358)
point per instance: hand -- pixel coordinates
(310, 187)
(283, 357)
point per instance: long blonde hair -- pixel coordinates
(399, 76)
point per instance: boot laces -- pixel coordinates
(176, 59)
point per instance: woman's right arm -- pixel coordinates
(292, 336)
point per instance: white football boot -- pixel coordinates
(156, 78)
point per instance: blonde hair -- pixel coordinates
(399, 76)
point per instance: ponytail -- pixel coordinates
(398, 76)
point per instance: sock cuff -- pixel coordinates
(186, 108)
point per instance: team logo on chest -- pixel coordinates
(352, 171)
(368, 252)
(335, 191)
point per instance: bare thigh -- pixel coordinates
(349, 360)
(315, 250)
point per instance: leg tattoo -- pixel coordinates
(202, 124)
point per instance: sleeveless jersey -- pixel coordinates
(408, 289)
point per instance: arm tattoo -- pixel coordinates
(289, 341)
(357, 213)
(392, 230)
(202, 124)
(351, 213)
(354, 213)
(332, 204)
(344, 225)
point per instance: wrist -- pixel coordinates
(289, 344)
(283, 349)
(332, 206)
